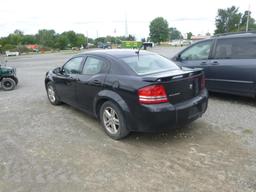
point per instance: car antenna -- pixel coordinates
(145, 45)
(138, 51)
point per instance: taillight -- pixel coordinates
(202, 84)
(153, 94)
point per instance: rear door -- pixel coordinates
(234, 66)
(65, 81)
(198, 56)
(91, 81)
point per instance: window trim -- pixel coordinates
(219, 39)
(203, 41)
(81, 64)
(105, 68)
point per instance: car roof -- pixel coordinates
(117, 53)
(235, 35)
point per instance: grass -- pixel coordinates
(248, 131)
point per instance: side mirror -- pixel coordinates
(58, 70)
(178, 58)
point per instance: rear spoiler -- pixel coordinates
(186, 73)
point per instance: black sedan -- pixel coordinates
(129, 90)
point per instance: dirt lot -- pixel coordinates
(48, 148)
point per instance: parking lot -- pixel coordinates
(49, 148)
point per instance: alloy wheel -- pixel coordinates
(111, 120)
(51, 93)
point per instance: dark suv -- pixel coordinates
(229, 62)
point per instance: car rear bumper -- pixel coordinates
(162, 117)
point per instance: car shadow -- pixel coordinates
(174, 135)
(233, 98)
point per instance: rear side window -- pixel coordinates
(236, 48)
(199, 51)
(92, 66)
(147, 64)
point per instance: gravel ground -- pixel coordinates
(48, 148)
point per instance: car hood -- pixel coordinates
(7, 68)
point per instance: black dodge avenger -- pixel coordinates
(129, 90)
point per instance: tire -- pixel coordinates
(16, 80)
(112, 121)
(52, 95)
(8, 84)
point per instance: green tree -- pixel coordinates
(159, 30)
(251, 23)
(15, 38)
(9, 47)
(100, 40)
(130, 38)
(189, 35)
(174, 34)
(80, 40)
(61, 42)
(18, 32)
(90, 40)
(72, 39)
(227, 20)
(29, 39)
(46, 37)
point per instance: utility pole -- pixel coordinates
(238, 25)
(248, 17)
(126, 26)
(87, 40)
(247, 22)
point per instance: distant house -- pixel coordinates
(33, 47)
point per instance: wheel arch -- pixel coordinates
(108, 95)
(46, 81)
(11, 77)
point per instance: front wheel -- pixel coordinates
(8, 84)
(52, 95)
(112, 121)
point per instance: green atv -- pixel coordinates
(8, 79)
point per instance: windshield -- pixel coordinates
(147, 64)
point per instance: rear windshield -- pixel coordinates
(147, 64)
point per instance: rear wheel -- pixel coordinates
(52, 95)
(112, 121)
(8, 84)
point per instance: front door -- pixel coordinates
(197, 56)
(66, 79)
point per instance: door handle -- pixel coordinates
(215, 63)
(95, 82)
(74, 78)
(203, 63)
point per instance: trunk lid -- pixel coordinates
(180, 85)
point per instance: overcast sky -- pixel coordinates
(100, 18)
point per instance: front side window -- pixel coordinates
(236, 48)
(147, 64)
(199, 51)
(73, 66)
(92, 66)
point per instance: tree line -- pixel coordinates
(49, 39)
(232, 20)
(227, 20)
